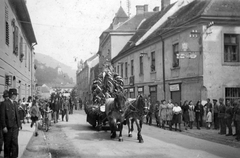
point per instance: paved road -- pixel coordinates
(76, 138)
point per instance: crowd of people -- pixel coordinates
(217, 115)
(34, 111)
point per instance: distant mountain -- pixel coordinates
(53, 63)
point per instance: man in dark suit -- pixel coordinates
(10, 125)
(5, 97)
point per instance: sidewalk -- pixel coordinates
(24, 137)
(206, 134)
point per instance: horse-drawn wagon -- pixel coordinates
(96, 115)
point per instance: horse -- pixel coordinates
(114, 113)
(135, 113)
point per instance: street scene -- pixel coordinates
(119, 78)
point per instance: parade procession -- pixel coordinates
(119, 79)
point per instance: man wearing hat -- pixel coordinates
(221, 115)
(215, 115)
(10, 124)
(5, 97)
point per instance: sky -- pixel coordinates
(69, 29)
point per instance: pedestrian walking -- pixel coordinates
(170, 106)
(35, 116)
(209, 118)
(235, 106)
(221, 115)
(5, 97)
(215, 115)
(163, 113)
(21, 112)
(191, 114)
(185, 109)
(24, 106)
(229, 117)
(28, 107)
(65, 108)
(177, 118)
(10, 124)
(198, 113)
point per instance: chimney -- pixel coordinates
(146, 8)
(156, 9)
(139, 9)
(164, 4)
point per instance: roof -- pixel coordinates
(133, 23)
(24, 18)
(121, 13)
(145, 26)
(192, 11)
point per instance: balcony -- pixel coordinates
(131, 80)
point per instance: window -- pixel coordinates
(132, 67)
(21, 49)
(15, 40)
(175, 52)
(122, 69)
(141, 64)
(115, 69)
(126, 69)
(152, 61)
(25, 55)
(231, 47)
(6, 26)
(232, 94)
(118, 69)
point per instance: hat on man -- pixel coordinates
(13, 91)
(5, 94)
(215, 100)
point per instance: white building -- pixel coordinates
(17, 39)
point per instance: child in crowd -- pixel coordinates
(209, 118)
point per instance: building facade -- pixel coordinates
(186, 57)
(16, 48)
(84, 78)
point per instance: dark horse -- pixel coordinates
(115, 115)
(135, 113)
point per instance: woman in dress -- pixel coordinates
(163, 113)
(198, 113)
(35, 116)
(170, 113)
(28, 107)
(177, 116)
(191, 114)
(185, 109)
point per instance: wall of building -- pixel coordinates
(105, 55)
(10, 63)
(218, 74)
(118, 42)
(189, 73)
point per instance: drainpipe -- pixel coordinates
(163, 62)
(163, 66)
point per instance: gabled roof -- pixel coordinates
(145, 26)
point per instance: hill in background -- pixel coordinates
(52, 63)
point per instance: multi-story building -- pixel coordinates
(119, 33)
(182, 56)
(16, 48)
(83, 78)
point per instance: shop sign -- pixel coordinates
(131, 90)
(140, 89)
(174, 87)
(153, 89)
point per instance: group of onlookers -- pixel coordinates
(13, 113)
(218, 114)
